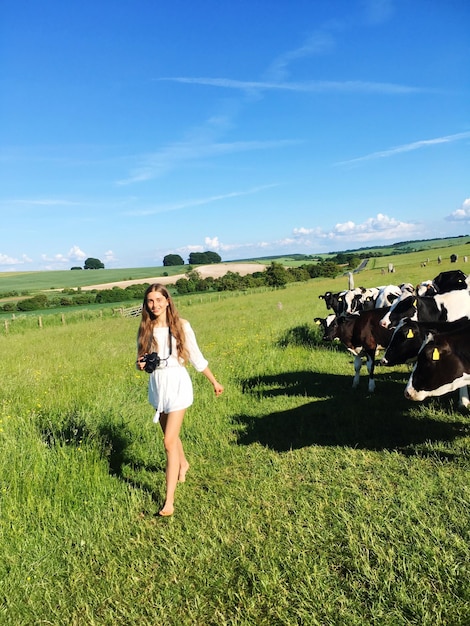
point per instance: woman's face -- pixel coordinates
(156, 303)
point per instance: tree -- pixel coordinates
(193, 275)
(213, 257)
(33, 304)
(172, 259)
(204, 258)
(276, 275)
(93, 264)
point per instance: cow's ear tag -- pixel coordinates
(435, 355)
(410, 334)
(317, 322)
(414, 303)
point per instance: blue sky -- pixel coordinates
(133, 129)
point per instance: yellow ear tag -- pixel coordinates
(435, 355)
(414, 303)
(317, 322)
(410, 334)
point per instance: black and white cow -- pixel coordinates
(353, 301)
(349, 300)
(406, 290)
(408, 337)
(450, 281)
(362, 335)
(442, 366)
(387, 295)
(443, 283)
(364, 299)
(444, 307)
(334, 301)
(359, 299)
(426, 288)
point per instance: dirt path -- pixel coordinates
(206, 271)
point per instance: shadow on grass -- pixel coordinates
(114, 442)
(341, 416)
(117, 443)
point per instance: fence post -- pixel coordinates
(40, 321)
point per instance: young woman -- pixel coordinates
(170, 342)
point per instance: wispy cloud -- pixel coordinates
(378, 11)
(204, 141)
(165, 208)
(312, 86)
(42, 202)
(409, 147)
(323, 40)
(195, 149)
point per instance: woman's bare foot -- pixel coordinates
(166, 511)
(182, 473)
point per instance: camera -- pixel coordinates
(152, 361)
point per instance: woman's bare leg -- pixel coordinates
(176, 463)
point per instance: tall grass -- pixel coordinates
(306, 503)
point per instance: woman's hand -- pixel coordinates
(218, 388)
(140, 363)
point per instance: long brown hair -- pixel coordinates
(145, 340)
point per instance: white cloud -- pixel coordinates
(302, 232)
(191, 248)
(462, 214)
(57, 261)
(5, 259)
(76, 254)
(373, 228)
(380, 227)
(377, 229)
(409, 147)
(212, 243)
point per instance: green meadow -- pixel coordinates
(73, 279)
(306, 503)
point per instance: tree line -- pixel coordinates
(275, 275)
(90, 264)
(195, 258)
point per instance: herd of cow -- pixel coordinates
(427, 325)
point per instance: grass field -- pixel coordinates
(33, 282)
(68, 279)
(307, 503)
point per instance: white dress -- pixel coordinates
(170, 387)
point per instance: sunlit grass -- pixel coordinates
(306, 502)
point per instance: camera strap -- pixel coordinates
(170, 347)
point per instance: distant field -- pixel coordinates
(391, 250)
(72, 279)
(40, 281)
(33, 282)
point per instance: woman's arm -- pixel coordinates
(218, 388)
